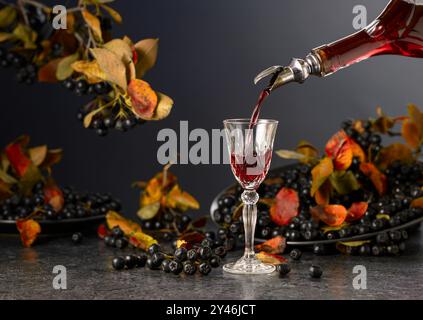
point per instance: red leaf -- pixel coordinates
(17, 157)
(29, 231)
(378, 178)
(200, 222)
(102, 231)
(270, 258)
(285, 206)
(47, 73)
(333, 215)
(275, 245)
(340, 150)
(192, 237)
(356, 211)
(357, 151)
(53, 195)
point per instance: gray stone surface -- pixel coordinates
(27, 274)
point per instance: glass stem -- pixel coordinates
(249, 216)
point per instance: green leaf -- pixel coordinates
(64, 69)
(26, 35)
(147, 50)
(326, 229)
(288, 154)
(7, 16)
(354, 243)
(5, 177)
(344, 182)
(383, 216)
(149, 211)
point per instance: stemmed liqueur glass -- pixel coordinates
(250, 150)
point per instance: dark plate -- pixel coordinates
(275, 172)
(51, 227)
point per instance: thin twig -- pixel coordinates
(36, 4)
(23, 11)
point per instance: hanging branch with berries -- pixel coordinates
(86, 59)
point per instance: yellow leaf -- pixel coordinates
(89, 117)
(141, 240)
(321, 173)
(113, 219)
(7, 16)
(113, 13)
(38, 154)
(4, 36)
(26, 35)
(152, 193)
(182, 200)
(90, 69)
(93, 22)
(64, 69)
(147, 50)
(164, 106)
(113, 67)
(149, 211)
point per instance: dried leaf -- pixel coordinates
(147, 50)
(270, 258)
(93, 22)
(354, 243)
(113, 68)
(113, 13)
(7, 178)
(200, 222)
(192, 237)
(382, 124)
(28, 230)
(149, 211)
(333, 215)
(395, 152)
(38, 154)
(7, 16)
(285, 206)
(178, 199)
(4, 36)
(308, 150)
(90, 69)
(90, 116)
(275, 245)
(322, 195)
(417, 203)
(47, 73)
(64, 69)
(326, 229)
(53, 157)
(53, 195)
(141, 240)
(344, 182)
(416, 116)
(26, 35)
(144, 98)
(339, 149)
(288, 154)
(113, 219)
(120, 48)
(383, 216)
(357, 151)
(17, 157)
(321, 173)
(378, 178)
(357, 211)
(5, 191)
(164, 106)
(181, 244)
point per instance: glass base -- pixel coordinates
(248, 266)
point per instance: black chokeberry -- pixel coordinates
(154, 248)
(180, 254)
(283, 269)
(140, 260)
(319, 249)
(315, 271)
(220, 251)
(165, 265)
(77, 237)
(204, 268)
(118, 263)
(215, 261)
(189, 268)
(175, 267)
(295, 254)
(121, 243)
(205, 253)
(192, 254)
(130, 261)
(117, 232)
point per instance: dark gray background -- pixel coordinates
(210, 50)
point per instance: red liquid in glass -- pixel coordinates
(251, 173)
(397, 31)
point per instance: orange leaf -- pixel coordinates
(356, 211)
(53, 195)
(339, 149)
(93, 22)
(410, 133)
(357, 151)
(144, 98)
(141, 240)
(128, 227)
(29, 231)
(417, 203)
(285, 206)
(17, 157)
(395, 152)
(275, 245)
(47, 73)
(333, 215)
(322, 195)
(178, 199)
(321, 173)
(270, 258)
(378, 178)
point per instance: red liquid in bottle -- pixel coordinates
(251, 172)
(398, 31)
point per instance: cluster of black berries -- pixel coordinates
(82, 87)
(366, 138)
(202, 258)
(109, 119)
(25, 72)
(284, 268)
(116, 239)
(76, 205)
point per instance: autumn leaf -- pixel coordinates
(38, 154)
(357, 151)
(344, 182)
(333, 215)
(285, 206)
(141, 240)
(417, 203)
(383, 123)
(90, 69)
(339, 149)
(112, 66)
(321, 173)
(53, 195)
(378, 179)
(178, 199)
(395, 152)
(47, 73)
(288, 154)
(17, 157)
(113, 219)
(192, 237)
(102, 231)
(147, 50)
(29, 230)
(64, 67)
(270, 258)
(121, 48)
(25, 34)
(149, 211)
(322, 195)
(93, 22)
(164, 106)
(275, 245)
(53, 157)
(308, 150)
(144, 98)
(8, 15)
(5, 191)
(357, 211)
(112, 12)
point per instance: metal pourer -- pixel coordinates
(297, 71)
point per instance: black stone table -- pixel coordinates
(27, 274)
